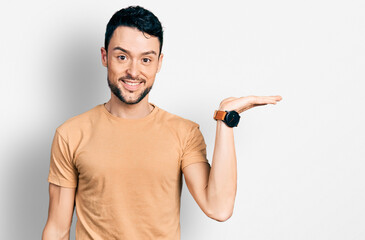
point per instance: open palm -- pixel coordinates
(244, 103)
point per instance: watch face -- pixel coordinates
(232, 118)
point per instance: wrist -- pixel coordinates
(229, 117)
(223, 107)
(226, 106)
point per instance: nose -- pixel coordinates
(132, 69)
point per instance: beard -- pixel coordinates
(117, 92)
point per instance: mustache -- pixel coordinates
(129, 77)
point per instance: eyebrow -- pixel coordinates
(126, 51)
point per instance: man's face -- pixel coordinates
(132, 61)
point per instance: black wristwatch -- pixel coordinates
(230, 118)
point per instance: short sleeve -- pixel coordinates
(62, 171)
(195, 148)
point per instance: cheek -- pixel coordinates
(150, 72)
(114, 70)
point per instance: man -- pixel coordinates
(121, 162)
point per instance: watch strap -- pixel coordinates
(219, 115)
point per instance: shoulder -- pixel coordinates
(176, 121)
(182, 129)
(79, 123)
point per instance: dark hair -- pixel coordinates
(135, 17)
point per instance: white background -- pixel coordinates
(300, 162)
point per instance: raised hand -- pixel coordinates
(244, 103)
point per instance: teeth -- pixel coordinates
(132, 84)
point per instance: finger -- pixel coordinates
(272, 99)
(277, 97)
(264, 100)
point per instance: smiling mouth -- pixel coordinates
(131, 85)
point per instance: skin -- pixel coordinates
(213, 188)
(134, 56)
(60, 210)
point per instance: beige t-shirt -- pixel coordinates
(127, 172)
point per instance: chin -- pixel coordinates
(134, 100)
(124, 95)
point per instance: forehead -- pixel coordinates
(133, 40)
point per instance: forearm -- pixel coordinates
(222, 183)
(51, 232)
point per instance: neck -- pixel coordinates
(129, 111)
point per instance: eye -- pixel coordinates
(121, 57)
(146, 60)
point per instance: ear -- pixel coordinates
(104, 57)
(159, 62)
